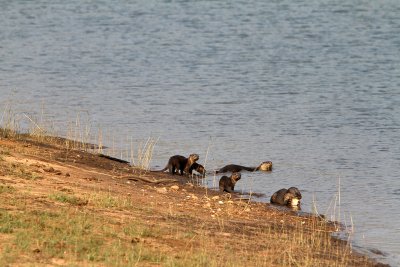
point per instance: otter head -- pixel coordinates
(295, 192)
(292, 197)
(288, 199)
(200, 169)
(235, 177)
(193, 157)
(265, 166)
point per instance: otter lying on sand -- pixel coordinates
(227, 184)
(180, 164)
(264, 166)
(287, 197)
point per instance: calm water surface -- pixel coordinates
(313, 86)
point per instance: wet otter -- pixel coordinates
(287, 197)
(227, 184)
(198, 168)
(180, 164)
(264, 166)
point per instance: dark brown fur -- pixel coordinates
(284, 196)
(180, 164)
(227, 184)
(264, 166)
(198, 168)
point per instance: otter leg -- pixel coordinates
(180, 169)
(229, 189)
(171, 169)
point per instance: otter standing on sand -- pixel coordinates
(227, 184)
(198, 168)
(180, 164)
(264, 166)
(287, 197)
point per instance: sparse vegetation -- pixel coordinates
(78, 136)
(83, 236)
(64, 198)
(7, 189)
(107, 200)
(9, 122)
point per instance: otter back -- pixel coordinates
(180, 164)
(264, 166)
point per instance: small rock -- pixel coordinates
(207, 205)
(67, 175)
(215, 198)
(174, 187)
(221, 202)
(162, 190)
(194, 197)
(224, 234)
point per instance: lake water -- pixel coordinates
(313, 86)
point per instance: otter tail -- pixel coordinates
(163, 170)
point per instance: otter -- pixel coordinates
(227, 184)
(287, 197)
(264, 166)
(180, 164)
(198, 168)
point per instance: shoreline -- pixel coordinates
(154, 221)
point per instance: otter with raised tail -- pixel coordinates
(180, 164)
(287, 197)
(264, 166)
(227, 184)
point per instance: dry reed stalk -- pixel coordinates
(10, 122)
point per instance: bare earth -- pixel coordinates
(66, 207)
